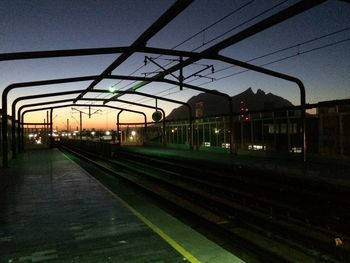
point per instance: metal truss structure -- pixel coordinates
(186, 58)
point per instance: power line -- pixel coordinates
(213, 24)
(190, 38)
(282, 59)
(243, 23)
(228, 31)
(271, 62)
(253, 59)
(206, 43)
(290, 47)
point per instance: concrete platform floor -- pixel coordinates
(51, 210)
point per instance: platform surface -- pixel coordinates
(52, 210)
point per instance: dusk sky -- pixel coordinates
(323, 64)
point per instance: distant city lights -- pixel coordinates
(206, 144)
(256, 147)
(225, 145)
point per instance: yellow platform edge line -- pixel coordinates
(154, 228)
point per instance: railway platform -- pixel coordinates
(54, 211)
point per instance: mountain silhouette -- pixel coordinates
(211, 105)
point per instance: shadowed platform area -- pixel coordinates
(53, 210)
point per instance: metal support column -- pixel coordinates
(51, 129)
(118, 128)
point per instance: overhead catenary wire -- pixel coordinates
(190, 38)
(268, 63)
(282, 59)
(241, 24)
(250, 60)
(231, 29)
(213, 24)
(221, 35)
(253, 59)
(289, 47)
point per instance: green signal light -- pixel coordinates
(112, 89)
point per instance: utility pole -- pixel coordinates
(80, 125)
(47, 128)
(81, 119)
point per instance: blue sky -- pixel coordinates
(50, 25)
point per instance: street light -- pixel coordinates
(217, 131)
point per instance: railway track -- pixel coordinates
(279, 220)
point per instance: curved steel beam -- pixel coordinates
(150, 107)
(141, 105)
(289, 12)
(20, 121)
(85, 78)
(122, 101)
(142, 40)
(188, 106)
(156, 108)
(268, 22)
(51, 82)
(169, 15)
(213, 92)
(242, 64)
(14, 104)
(118, 126)
(92, 52)
(20, 132)
(71, 100)
(273, 20)
(74, 104)
(279, 75)
(30, 84)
